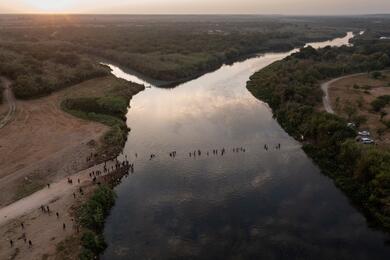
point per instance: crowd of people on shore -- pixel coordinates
(107, 174)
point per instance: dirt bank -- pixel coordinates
(45, 145)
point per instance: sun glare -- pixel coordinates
(50, 6)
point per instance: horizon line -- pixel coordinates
(195, 14)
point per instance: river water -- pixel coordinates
(256, 204)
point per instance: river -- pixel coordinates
(256, 204)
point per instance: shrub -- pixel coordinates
(91, 216)
(376, 74)
(93, 242)
(87, 254)
(380, 102)
(93, 212)
(109, 110)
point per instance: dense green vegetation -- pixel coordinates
(38, 69)
(172, 52)
(380, 102)
(292, 89)
(91, 217)
(45, 53)
(90, 109)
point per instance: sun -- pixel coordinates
(50, 6)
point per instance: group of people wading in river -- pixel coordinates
(198, 153)
(216, 152)
(221, 152)
(277, 147)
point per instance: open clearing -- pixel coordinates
(357, 92)
(45, 145)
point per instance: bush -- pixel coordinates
(380, 102)
(93, 243)
(109, 110)
(92, 216)
(93, 213)
(376, 74)
(87, 254)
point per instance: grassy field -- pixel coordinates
(353, 96)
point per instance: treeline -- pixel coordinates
(42, 54)
(175, 53)
(170, 49)
(292, 89)
(40, 69)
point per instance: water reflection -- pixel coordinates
(259, 204)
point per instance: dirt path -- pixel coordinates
(45, 196)
(10, 100)
(44, 230)
(325, 88)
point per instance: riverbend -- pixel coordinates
(262, 199)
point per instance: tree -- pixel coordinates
(349, 109)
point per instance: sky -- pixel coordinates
(307, 7)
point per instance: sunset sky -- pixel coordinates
(197, 6)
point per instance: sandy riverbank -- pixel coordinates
(44, 145)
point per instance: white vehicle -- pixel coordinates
(367, 141)
(364, 133)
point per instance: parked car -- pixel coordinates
(364, 133)
(367, 140)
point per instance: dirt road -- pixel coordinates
(325, 87)
(10, 100)
(46, 195)
(43, 229)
